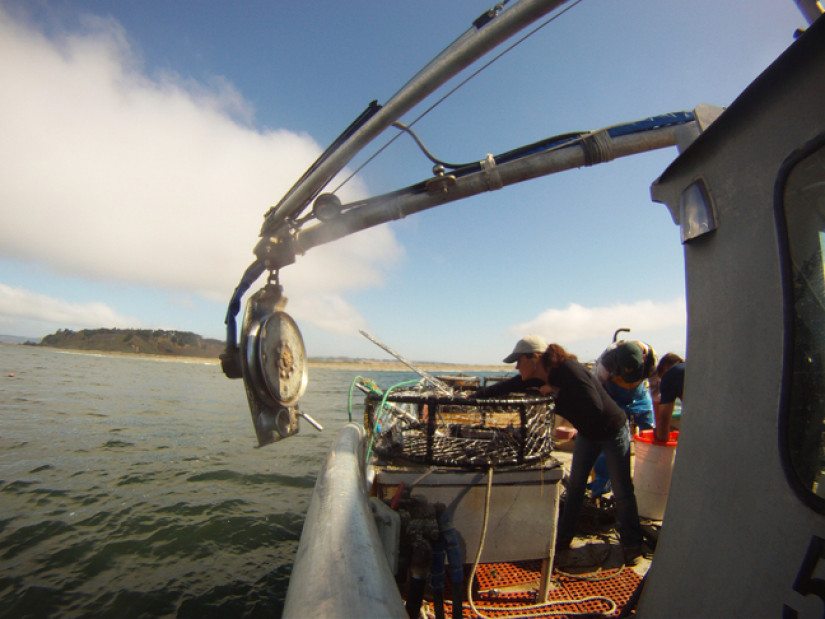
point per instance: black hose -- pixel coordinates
(438, 604)
(415, 596)
(421, 558)
(450, 537)
(458, 602)
(437, 578)
(427, 153)
(362, 118)
(230, 362)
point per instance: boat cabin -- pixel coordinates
(744, 534)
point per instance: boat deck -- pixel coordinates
(589, 578)
(508, 589)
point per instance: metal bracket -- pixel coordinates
(491, 175)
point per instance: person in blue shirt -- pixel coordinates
(623, 369)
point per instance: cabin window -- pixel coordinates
(803, 206)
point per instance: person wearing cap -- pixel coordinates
(602, 428)
(525, 355)
(623, 368)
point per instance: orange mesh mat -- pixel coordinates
(616, 585)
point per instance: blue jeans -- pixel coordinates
(617, 456)
(639, 408)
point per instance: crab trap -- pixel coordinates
(425, 425)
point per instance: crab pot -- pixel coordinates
(424, 428)
(440, 448)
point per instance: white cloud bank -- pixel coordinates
(110, 175)
(586, 330)
(17, 304)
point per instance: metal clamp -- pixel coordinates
(491, 175)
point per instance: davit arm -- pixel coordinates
(271, 357)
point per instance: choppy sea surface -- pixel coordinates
(131, 487)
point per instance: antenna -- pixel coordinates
(438, 384)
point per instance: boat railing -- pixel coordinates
(339, 530)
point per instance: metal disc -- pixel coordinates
(283, 358)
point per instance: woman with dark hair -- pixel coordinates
(602, 427)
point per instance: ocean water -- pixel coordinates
(132, 487)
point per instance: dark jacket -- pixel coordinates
(581, 399)
(672, 384)
(514, 384)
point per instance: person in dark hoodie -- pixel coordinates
(602, 428)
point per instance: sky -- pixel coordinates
(143, 141)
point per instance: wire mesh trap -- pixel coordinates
(423, 426)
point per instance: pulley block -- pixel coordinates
(274, 364)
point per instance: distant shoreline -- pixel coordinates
(374, 365)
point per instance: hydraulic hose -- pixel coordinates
(450, 537)
(230, 361)
(437, 578)
(419, 566)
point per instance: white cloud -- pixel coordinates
(111, 175)
(588, 329)
(331, 313)
(16, 303)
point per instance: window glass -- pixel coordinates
(804, 210)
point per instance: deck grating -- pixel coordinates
(498, 575)
(617, 585)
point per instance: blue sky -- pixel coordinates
(144, 140)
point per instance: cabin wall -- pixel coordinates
(735, 533)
